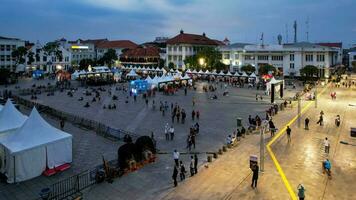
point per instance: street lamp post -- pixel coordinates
(299, 112)
(262, 144)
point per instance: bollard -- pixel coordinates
(215, 155)
(220, 151)
(224, 148)
(210, 158)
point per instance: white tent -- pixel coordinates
(244, 74)
(207, 72)
(186, 77)
(33, 147)
(149, 79)
(253, 75)
(237, 74)
(10, 117)
(221, 73)
(228, 73)
(194, 71)
(201, 72)
(188, 71)
(132, 73)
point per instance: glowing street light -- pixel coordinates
(201, 61)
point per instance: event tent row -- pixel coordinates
(144, 68)
(166, 78)
(29, 145)
(221, 73)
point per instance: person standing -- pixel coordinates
(195, 163)
(62, 124)
(193, 115)
(176, 157)
(301, 192)
(174, 176)
(306, 123)
(320, 121)
(254, 169)
(272, 127)
(183, 116)
(289, 131)
(191, 166)
(185, 91)
(171, 132)
(327, 145)
(198, 114)
(182, 171)
(166, 129)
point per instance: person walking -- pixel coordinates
(193, 115)
(182, 171)
(176, 157)
(306, 123)
(321, 119)
(272, 127)
(62, 124)
(185, 91)
(166, 129)
(198, 114)
(195, 163)
(174, 176)
(171, 132)
(191, 166)
(183, 116)
(173, 115)
(301, 192)
(326, 145)
(288, 133)
(254, 169)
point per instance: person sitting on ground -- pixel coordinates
(87, 105)
(229, 140)
(109, 107)
(114, 106)
(81, 99)
(327, 166)
(214, 97)
(104, 107)
(94, 100)
(114, 97)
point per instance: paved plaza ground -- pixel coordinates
(217, 120)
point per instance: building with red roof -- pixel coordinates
(186, 44)
(117, 45)
(141, 56)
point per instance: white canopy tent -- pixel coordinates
(33, 147)
(228, 73)
(253, 75)
(188, 71)
(10, 118)
(244, 74)
(132, 73)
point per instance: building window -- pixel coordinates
(320, 58)
(309, 57)
(13, 47)
(169, 48)
(236, 56)
(8, 58)
(2, 47)
(180, 48)
(291, 65)
(174, 48)
(44, 58)
(262, 57)
(8, 48)
(226, 56)
(2, 58)
(291, 57)
(180, 58)
(249, 57)
(277, 58)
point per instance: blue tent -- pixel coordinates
(138, 86)
(38, 73)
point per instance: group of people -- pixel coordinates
(179, 168)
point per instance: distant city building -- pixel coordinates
(7, 45)
(288, 58)
(184, 45)
(117, 45)
(161, 43)
(141, 56)
(46, 62)
(352, 57)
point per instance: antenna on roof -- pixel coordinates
(287, 33)
(307, 25)
(295, 31)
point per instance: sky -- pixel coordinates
(143, 20)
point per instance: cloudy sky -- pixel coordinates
(143, 20)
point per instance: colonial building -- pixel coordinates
(7, 45)
(288, 58)
(117, 45)
(48, 63)
(141, 56)
(184, 45)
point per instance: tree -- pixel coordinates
(161, 63)
(206, 58)
(171, 65)
(52, 49)
(353, 63)
(84, 63)
(309, 71)
(30, 58)
(109, 57)
(19, 55)
(4, 76)
(265, 69)
(248, 68)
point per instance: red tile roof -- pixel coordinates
(94, 41)
(331, 44)
(117, 44)
(141, 52)
(186, 38)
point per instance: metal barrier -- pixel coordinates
(99, 128)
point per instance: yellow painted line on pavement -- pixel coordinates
(279, 134)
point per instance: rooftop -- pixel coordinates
(187, 38)
(117, 44)
(141, 52)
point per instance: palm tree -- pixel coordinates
(19, 55)
(52, 49)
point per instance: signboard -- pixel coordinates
(79, 47)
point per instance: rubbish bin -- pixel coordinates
(353, 132)
(239, 122)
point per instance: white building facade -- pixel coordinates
(7, 45)
(352, 58)
(288, 58)
(48, 63)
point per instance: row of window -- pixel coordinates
(82, 56)
(7, 47)
(181, 48)
(6, 58)
(175, 58)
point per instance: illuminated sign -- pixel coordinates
(80, 47)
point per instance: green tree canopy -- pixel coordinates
(30, 58)
(52, 49)
(206, 58)
(309, 71)
(84, 63)
(109, 57)
(248, 68)
(4, 76)
(19, 55)
(265, 69)
(353, 63)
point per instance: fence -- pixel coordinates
(99, 128)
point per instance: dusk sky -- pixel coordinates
(143, 20)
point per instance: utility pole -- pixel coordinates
(262, 144)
